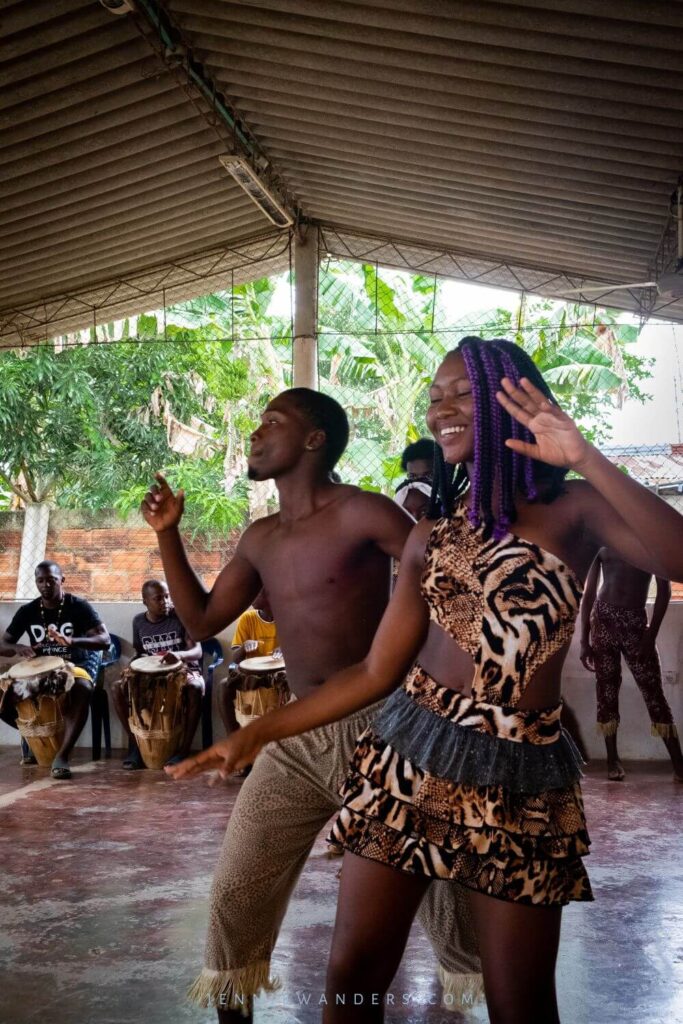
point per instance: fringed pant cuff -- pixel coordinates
(460, 991)
(608, 728)
(667, 730)
(232, 990)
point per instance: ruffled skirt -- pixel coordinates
(449, 787)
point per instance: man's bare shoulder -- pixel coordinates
(374, 518)
(376, 509)
(372, 502)
(258, 531)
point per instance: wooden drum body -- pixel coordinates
(40, 686)
(261, 687)
(40, 721)
(156, 702)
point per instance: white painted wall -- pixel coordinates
(635, 741)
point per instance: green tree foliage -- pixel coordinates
(383, 333)
(86, 426)
(85, 423)
(378, 352)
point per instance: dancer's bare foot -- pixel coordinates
(615, 771)
(678, 775)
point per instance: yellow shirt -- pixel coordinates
(250, 626)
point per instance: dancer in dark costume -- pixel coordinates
(615, 624)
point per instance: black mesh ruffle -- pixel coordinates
(466, 755)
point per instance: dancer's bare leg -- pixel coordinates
(375, 910)
(119, 696)
(518, 945)
(225, 698)
(615, 769)
(673, 746)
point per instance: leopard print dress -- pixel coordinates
(473, 788)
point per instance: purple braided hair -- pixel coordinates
(497, 470)
(473, 374)
(521, 464)
(491, 369)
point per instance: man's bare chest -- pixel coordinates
(295, 563)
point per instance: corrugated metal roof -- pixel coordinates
(106, 167)
(547, 135)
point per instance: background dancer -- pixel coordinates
(615, 624)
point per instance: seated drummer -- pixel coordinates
(256, 632)
(158, 630)
(255, 637)
(58, 623)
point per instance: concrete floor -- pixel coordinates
(104, 883)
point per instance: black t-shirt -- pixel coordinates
(168, 634)
(76, 618)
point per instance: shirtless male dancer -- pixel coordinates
(324, 560)
(615, 624)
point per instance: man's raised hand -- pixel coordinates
(226, 757)
(160, 507)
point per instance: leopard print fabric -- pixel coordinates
(508, 603)
(528, 726)
(616, 631)
(524, 849)
(511, 605)
(516, 846)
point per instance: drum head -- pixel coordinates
(262, 664)
(154, 663)
(31, 668)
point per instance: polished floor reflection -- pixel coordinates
(105, 881)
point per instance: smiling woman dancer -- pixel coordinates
(466, 772)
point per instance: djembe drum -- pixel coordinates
(40, 686)
(261, 687)
(156, 706)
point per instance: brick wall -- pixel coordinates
(104, 559)
(107, 560)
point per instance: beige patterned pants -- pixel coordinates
(290, 795)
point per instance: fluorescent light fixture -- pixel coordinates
(249, 180)
(119, 6)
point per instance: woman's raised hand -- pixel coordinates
(161, 508)
(559, 442)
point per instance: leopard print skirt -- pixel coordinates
(510, 838)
